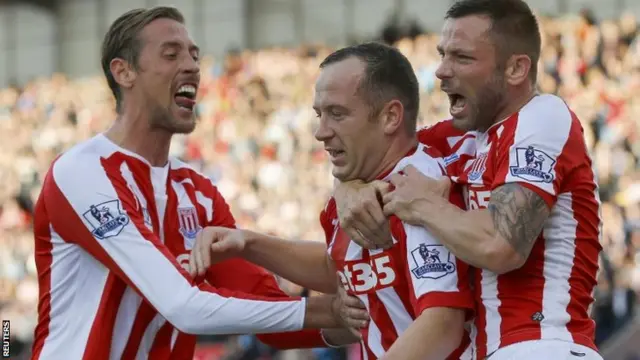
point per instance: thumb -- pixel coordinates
(410, 170)
(220, 246)
(339, 284)
(381, 187)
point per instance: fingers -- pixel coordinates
(375, 227)
(352, 312)
(201, 249)
(367, 225)
(360, 226)
(411, 170)
(397, 180)
(379, 222)
(192, 260)
(390, 208)
(381, 187)
(358, 237)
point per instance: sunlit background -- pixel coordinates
(255, 133)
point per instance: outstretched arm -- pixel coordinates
(305, 263)
(240, 275)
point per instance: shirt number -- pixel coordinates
(361, 277)
(478, 199)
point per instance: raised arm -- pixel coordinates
(530, 166)
(94, 208)
(498, 237)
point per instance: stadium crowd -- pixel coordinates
(255, 140)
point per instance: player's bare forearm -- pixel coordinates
(302, 262)
(498, 238)
(434, 335)
(319, 314)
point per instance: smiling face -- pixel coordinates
(471, 73)
(167, 76)
(352, 136)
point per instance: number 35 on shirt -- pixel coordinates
(361, 276)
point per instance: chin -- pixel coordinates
(340, 174)
(183, 127)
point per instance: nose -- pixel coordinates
(444, 70)
(191, 65)
(323, 132)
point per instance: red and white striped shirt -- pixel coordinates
(542, 148)
(397, 284)
(111, 234)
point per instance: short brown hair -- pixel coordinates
(514, 27)
(388, 75)
(121, 41)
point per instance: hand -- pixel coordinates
(360, 213)
(411, 190)
(349, 310)
(214, 244)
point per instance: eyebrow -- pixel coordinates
(176, 44)
(454, 51)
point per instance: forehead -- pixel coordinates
(466, 33)
(161, 31)
(338, 83)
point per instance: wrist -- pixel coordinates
(250, 242)
(326, 337)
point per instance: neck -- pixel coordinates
(514, 104)
(132, 131)
(395, 152)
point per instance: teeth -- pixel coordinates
(187, 89)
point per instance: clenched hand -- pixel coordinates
(360, 213)
(214, 244)
(411, 190)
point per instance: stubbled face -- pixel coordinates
(168, 76)
(471, 73)
(352, 138)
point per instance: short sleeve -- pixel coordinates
(436, 277)
(441, 135)
(540, 147)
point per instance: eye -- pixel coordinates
(171, 55)
(335, 114)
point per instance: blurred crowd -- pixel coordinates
(255, 141)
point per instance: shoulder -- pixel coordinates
(441, 135)
(547, 114)
(442, 126)
(82, 163)
(428, 160)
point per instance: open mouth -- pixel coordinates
(458, 103)
(334, 153)
(185, 97)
